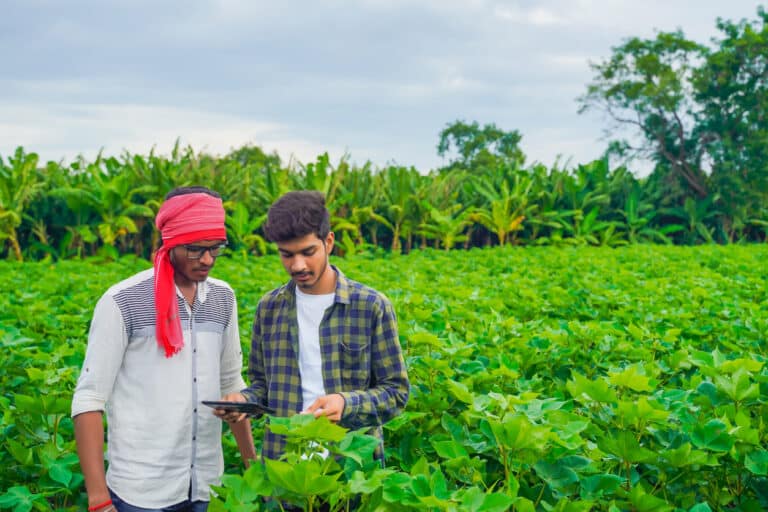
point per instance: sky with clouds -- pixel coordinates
(374, 79)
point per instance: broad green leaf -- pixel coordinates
(21, 453)
(568, 505)
(257, 482)
(304, 478)
(625, 447)
(638, 333)
(449, 449)
(398, 489)
(683, 456)
(494, 502)
(585, 390)
(597, 486)
(459, 391)
(640, 411)
(362, 484)
(357, 446)
(713, 436)
(439, 484)
(557, 475)
(307, 427)
(60, 473)
(630, 378)
(747, 365)
(425, 338)
(472, 499)
(644, 502)
(523, 505)
(19, 498)
(517, 433)
(28, 404)
(421, 467)
(404, 419)
(757, 462)
(737, 386)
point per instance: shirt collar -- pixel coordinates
(341, 293)
(202, 291)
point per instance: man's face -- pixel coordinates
(193, 261)
(306, 261)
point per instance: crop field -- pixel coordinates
(548, 379)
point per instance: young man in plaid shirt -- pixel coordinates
(322, 343)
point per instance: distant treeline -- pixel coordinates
(698, 112)
(107, 207)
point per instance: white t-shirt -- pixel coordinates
(309, 312)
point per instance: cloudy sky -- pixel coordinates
(375, 79)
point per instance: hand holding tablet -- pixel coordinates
(241, 407)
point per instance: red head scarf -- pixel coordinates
(181, 220)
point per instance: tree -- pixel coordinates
(700, 113)
(480, 147)
(646, 86)
(732, 88)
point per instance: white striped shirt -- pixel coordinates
(161, 441)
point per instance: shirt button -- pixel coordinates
(195, 410)
(194, 380)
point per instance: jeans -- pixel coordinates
(184, 506)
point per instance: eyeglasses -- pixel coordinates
(195, 252)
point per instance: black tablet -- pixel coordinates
(246, 407)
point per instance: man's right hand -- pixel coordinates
(89, 435)
(231, 416)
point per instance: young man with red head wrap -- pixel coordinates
(160, 343)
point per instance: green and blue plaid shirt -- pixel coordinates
(362, 359)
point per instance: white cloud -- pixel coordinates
(376, 78)
(574, 62)
(537, 16)
(64, 131)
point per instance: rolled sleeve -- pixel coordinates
(107, 340)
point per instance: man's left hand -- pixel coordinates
(330, 406)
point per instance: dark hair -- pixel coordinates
(297, 214)
(180, 191)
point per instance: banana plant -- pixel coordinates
(638, 221)
(760, 221)
(242, 230)
(20, 183)
(695, 215)
(321, 175)
(108, 199)
(507, 207)
(446, 227)
(397, 202)
(354, 212)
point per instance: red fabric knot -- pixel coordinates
(181, 220)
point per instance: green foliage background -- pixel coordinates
(543, 379)
(627, 376)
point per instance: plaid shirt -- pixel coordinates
(362, 360)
